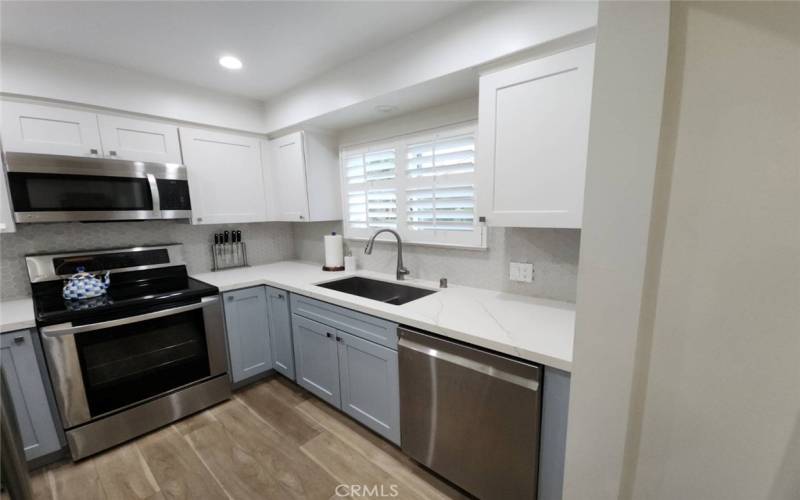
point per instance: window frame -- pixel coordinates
(402, 182)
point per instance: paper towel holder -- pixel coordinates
(332, 268)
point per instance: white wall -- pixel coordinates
(721, 414)
(450, 113)
(35, 73)
(479, 34)
(630, 64)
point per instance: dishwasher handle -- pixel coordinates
(471, 364)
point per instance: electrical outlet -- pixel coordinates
(520, 271)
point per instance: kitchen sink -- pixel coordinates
(382, 291)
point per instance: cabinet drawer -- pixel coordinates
(359, 324)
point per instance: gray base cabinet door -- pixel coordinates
(280, 332)
(370, 385)
(248, 332)
(37, 423)
(316, 359)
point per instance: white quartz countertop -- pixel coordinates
(538, 330)
(16, 315)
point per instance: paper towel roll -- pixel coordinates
(334, 250)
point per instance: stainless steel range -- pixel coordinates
(148, 352)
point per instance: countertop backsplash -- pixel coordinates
(553, 252)
(266, 242)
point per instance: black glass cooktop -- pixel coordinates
(129, 293)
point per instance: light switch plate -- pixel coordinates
(520, 271)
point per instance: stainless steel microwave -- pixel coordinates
(54, 188)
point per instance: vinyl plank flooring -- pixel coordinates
(379, 452)
(280, 456)
(177, 469)
(78, 481)
(124, 473)
(271, 441)
(280, 414)
(352, 468)
(40, 484)
(287, 390)
(252, 460)
(196, 421)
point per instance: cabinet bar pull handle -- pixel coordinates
(19, 340)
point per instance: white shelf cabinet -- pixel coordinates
(7, 224)
(532, 141)
(304, 175)
(226, 184)
(139, 140)
(40, 128)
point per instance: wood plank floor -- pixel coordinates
(273, 440)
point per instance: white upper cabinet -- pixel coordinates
(305, 178)
(6, 216)
(532, 141)
(140, 140)
(226, 184)
(39, 128)
(36, 128)
(289, 178)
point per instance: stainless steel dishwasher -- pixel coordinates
(470, 415)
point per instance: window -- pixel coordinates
(422, 186)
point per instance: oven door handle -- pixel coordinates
(70, 329)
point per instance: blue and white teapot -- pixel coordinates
(83, 285)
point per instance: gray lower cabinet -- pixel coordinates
(553, 444)
(368, 377)
(247, 326)
(26, 383)
(348, 359)
(317, 359)
(280, 331)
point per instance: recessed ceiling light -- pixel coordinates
(230, 62)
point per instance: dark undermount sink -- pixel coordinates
(382, 291)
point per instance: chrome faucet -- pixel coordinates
(401, 270)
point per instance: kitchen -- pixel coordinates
(346, 249)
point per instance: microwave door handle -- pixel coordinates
(151, 180)
(70, 329)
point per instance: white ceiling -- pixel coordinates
(280, 43)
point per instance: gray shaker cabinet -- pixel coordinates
(35, 417)
(316, 359)
(349, 359)
(370, 386)
(247, 325)
(280, 331)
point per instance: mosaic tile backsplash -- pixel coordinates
(266, 242)
(553, 253)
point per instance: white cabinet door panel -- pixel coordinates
(225, 177)
(36, 128)
(289, 178)
(533, 139)
(140, 140)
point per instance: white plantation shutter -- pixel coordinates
(370, 197)
(422, 186)
(452, 155)
(444, 209)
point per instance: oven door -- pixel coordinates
(101, 368)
